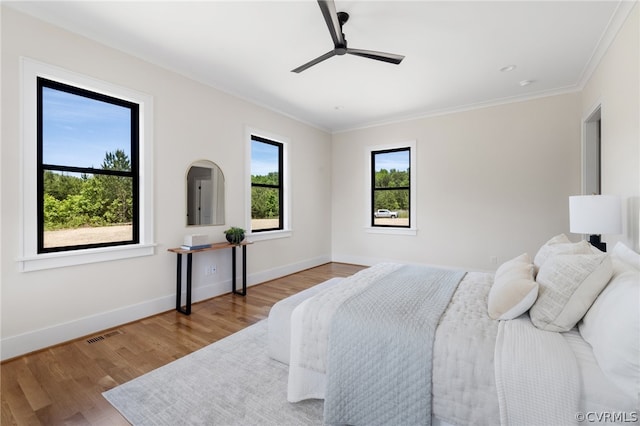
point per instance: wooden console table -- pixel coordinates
(217, 246)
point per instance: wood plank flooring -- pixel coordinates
(63, 385)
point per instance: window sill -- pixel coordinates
(391, 230)
(269, 235)
(81, 257)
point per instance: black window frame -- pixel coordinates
(279, 186)
(42, 167)
(375, 189)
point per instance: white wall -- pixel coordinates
(615, 85)
(192, 122)
(492, 182)
(495, 182)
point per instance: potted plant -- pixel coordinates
(234, 235)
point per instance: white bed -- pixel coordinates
(514, 347)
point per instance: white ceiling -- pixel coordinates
(453, 50)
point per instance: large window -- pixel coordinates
(391, 188)
(87, 169)
(267, 185)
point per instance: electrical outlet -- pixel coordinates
(210, 270)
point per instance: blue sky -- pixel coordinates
(264, 158)
(78, 131)
(398, 160)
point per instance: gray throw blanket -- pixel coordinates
(380, 349)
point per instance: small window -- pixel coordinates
(87, 171)
(267, 188)
(391, 188)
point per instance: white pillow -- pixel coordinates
(559, 244)
(568, 286)
(514, 289)
(626, 255)
(612, 328)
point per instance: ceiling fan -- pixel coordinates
(335, 21)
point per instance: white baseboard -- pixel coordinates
(281, 271)
(370, 261)
(358, 260)
(21, 344)
(13, 346)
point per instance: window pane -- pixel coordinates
(392, 169)
(265, 208)
(391, 187)
(266, 184)
(264, 163)
(82, 209)
(78, 131)
(396, 201)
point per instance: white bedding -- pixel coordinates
(279, 321)
(537, 376)
(465, 350)
(310, 323)
(464, 390)
(463, 381)
(598, 393)
(564, 384)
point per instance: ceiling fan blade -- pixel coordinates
(380, 56)
(328, 8)
(315, 61)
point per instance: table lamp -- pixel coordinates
(595, 215)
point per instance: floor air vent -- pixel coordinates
(104, 336)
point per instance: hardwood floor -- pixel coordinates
(64, 384)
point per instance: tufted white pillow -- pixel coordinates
(559, 244)
(612, 327)
(568, 286)
(514, 289)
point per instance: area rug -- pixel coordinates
(230, 382)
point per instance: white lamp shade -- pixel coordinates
(595, 214)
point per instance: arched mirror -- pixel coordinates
(205, 194)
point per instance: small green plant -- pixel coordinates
(234, 235)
